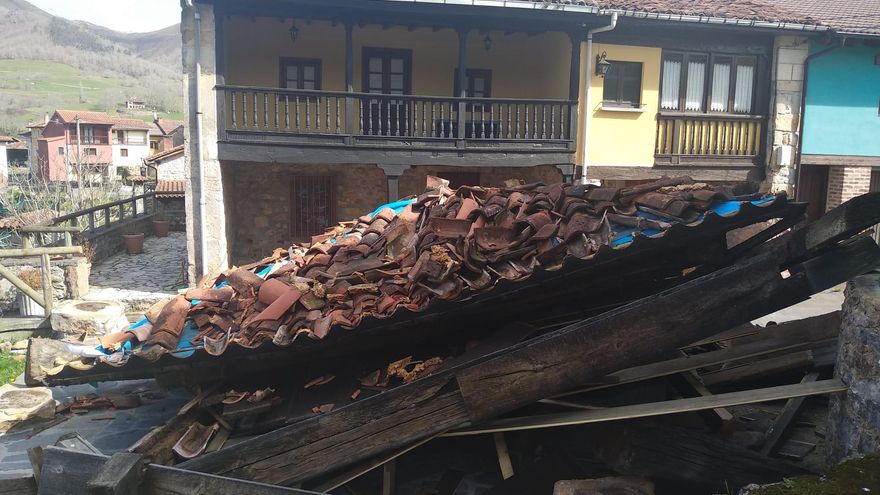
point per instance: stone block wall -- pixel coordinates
(258, 201)
(854, 417)
(786, 89)
(107, 242)
(70, 280)
(845, 183)
(174, 210)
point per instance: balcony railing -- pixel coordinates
(377, 116)
(703, 138)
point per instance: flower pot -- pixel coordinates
(29, 307)
(161, 227)
(134, 243)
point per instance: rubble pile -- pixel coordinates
(443, 245)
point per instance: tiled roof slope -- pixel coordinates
(85, 117)
(123, 123)
(843, 16)
(171, 189)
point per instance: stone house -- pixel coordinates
(314, 112)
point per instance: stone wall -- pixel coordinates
(174, 210)
(258, 204)
(107, 242)
(786, 87)
(845, 183)
(854, 417)
(70, 280)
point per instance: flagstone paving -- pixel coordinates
(139, 280)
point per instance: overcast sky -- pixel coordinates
(132, 16)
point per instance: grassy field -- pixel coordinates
(30, 88)
(9, 368)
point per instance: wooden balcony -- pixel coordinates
(340, 127)
(709, 140)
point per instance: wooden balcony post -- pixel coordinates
(574, 84)
(462, 84)
(349, 82)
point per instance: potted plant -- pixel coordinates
(161, 225)
(134, 240)
(27, 306)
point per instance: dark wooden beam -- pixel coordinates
(777, 431)
(69, 472)
(638, 333)
(122, 474)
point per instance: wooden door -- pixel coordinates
(813, 188)
(387, 72)
(312, 205)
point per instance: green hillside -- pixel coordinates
(47, 63)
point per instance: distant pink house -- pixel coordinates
(60, 151)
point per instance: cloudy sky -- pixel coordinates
(133, 16)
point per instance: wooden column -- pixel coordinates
(462, 83)
(392, 175)
(349, 81)
(574, 78)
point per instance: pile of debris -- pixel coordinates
(492, 311)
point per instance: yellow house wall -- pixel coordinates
(522, 66)
(621, 138)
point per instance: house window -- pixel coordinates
(91, 152)
(312, 205)
(623, 84)
(123, 152)
(301, 73)
(700, 82)
(154, 145)
(119, 137)
(61, 151)
(479, 83)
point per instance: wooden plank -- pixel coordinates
(67, 471)
(389, 477)
(719, 416)
(759, 369)
(122, 474)
(503, 454)
(654, 408)
(792, 408)
(50, 228)
(48, 290)
(350, 474)
(695, 361)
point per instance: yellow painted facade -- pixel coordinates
(522, 66)
(622, 138)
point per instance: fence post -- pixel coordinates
(46, 272)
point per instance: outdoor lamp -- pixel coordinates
(487, 43)
(294, 33)
(602, 65)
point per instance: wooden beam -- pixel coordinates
(779, 427)
(18, 485)
(503, 454)
(20, 285)
(24, 253)
(69, 472)
(389, 477)
(122, 474)
(760, 368)
(48, 290)
(39, 229)
(654, 408)
(719, 416)
(361, 469)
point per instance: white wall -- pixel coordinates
(4, 166)
(136, 152)
(174, 169)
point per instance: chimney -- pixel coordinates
(45, 118)
(155, 117)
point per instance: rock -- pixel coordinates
(604, 486)
(18, 404)
(75, 317)
(21, 345)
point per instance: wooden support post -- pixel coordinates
(121, 475)
(792, 408)
(574, 82)
(35, 455)
(503, 456)
(20, 285)
(48, 291)
(462, 85)
(389, 477)
(349, 81)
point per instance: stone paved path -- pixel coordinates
(141, 279)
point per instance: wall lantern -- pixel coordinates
(487, 43)
(602, 65)
(294, 33)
